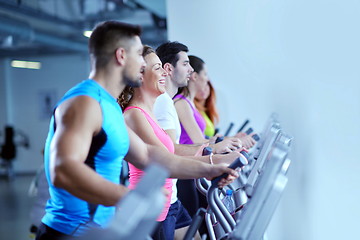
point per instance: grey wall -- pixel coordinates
(301, 60)
(22, 100)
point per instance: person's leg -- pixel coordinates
(170, 221)
(180, 234)
(46, 233)
(187, 194)
(158, 233)
(183, 221)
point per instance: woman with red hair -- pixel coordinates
(205, 102)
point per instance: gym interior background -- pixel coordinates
(299, 59)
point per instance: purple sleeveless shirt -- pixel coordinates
(184, 137)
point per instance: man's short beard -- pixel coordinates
(132, 83)
(184, 84)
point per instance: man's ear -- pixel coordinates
(168, 68)
(120, 56)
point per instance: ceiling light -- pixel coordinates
(25, 64)
(87, 33)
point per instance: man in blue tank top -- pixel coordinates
(88, 140)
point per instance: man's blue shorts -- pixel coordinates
(177, 217)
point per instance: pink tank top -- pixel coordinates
(135, 174)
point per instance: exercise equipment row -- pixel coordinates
(256, 193)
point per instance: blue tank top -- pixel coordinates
(65, 212)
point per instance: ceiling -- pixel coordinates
(43, 27)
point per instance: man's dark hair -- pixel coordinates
(168, 52)
(107, 37)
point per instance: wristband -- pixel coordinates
(211, 159)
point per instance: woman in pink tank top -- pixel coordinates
(137, 104)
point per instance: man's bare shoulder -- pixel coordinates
(79, 111)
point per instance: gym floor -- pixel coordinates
(15, 205)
